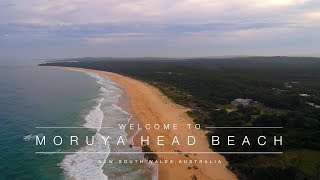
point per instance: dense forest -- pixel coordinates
(286, 91)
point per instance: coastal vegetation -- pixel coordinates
(286, 89)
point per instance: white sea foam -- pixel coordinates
(85, 166)
(95, 117)
(88, 165)
(155, 171)
(105, 91)
(31, 137)
(114, 106)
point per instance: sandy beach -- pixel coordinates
(150, 106)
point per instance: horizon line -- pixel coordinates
(179, 57)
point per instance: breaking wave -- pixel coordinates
(31, 137)
(83, 165)
(95, 117)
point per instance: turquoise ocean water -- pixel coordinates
(33, 96)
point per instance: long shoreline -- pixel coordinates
(150, 106)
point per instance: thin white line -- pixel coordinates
(80, 127)
(248, 127)
(61, 152)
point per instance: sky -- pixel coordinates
(158, 28)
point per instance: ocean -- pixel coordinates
(44, 101)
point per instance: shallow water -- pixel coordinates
(33, 96)
(107, 114)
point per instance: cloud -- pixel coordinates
(279, 3)
(160, 24)
(153, 11)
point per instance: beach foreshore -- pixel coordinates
(150, 106)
